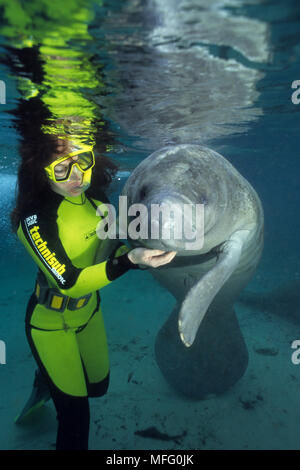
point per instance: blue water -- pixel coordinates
(217, 73)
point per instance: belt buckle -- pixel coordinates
(41, 292)
(79, 302)
(53, 299)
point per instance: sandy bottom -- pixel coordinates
(260, 412)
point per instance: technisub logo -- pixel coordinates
(183, 222)
(295, 96)
(2, 352)
(2, 92)
(31, 220)
(48, 257)
(296, 354)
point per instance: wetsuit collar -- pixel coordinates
(78, 200)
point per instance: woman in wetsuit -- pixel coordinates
(55, 218)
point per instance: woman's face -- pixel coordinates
(74, 186)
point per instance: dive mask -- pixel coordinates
(59, 172)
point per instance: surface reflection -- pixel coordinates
(187, 70)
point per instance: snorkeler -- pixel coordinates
(55, 218)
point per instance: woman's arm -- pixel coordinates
(40, 237)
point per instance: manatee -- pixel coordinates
(200, 349)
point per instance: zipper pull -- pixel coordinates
(66, 327)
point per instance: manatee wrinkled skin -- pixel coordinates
(200, 348)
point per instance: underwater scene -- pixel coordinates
(160, 101)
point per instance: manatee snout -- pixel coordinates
(166, 220)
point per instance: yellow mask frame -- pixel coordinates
(84, 163)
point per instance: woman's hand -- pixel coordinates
(151, 258)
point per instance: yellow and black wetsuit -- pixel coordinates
(65, 329)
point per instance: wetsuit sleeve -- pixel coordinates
(40, 236)
(118, 262)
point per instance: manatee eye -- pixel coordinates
(143, 192)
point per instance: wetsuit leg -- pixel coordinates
(58, 358)
(93, 349)
(75, 365)
(73, 415)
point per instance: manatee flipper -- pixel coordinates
(200, 296)
(39, 396)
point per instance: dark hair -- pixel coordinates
(33, 184)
